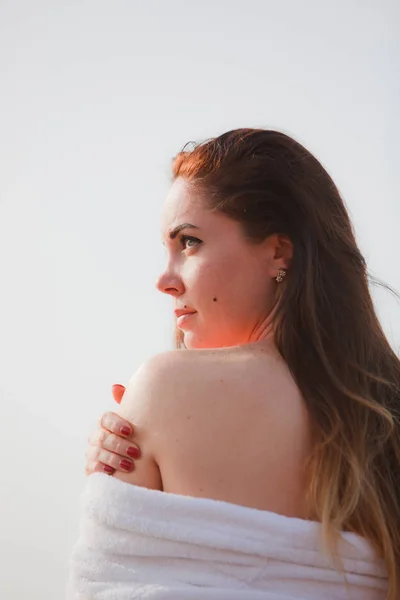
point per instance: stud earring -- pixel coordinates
(281, 275)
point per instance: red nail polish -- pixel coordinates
(133, 452)
(125, 464)
(108, 469)
(125, 430)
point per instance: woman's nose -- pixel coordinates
(169, 283)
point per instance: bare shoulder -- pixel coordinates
(155, 390)
(172, 386)
(191, 408)
(162, 380)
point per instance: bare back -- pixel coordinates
(239, 431)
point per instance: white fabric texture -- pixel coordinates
(140, 543)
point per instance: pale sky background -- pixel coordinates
(96, 98)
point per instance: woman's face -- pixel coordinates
(213, 272)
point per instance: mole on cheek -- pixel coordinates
(214, 299)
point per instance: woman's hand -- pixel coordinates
(110, 446)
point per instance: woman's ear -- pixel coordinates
(282, 251)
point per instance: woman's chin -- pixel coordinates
(193, 341)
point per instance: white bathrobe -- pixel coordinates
(140, 543)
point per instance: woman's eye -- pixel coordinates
(189, 242)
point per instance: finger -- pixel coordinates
(116, 462)
(97, 467)
(109, 441)
(98, 437)
(117, 445)
(118, 391)
(91, 454)
(114, 423)
(95, 457)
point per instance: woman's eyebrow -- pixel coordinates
(174, 232)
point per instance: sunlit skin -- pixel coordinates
(213, 270)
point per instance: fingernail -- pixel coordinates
(125, 430)
(133, 452)
(125, 464)
(108, 469)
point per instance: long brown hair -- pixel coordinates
(325, 327)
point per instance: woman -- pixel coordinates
(289, 399)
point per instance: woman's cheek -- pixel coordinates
(207, 280)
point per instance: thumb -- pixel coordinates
(118, 391)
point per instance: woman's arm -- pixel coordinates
(140, 404)
(150, 402)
